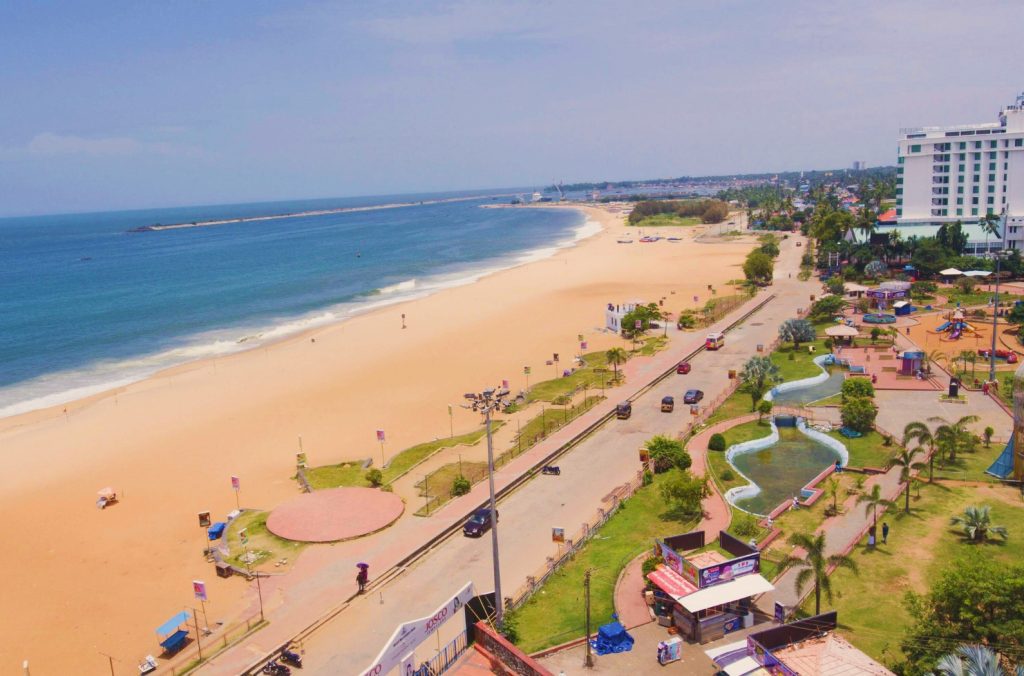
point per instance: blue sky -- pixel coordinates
(131, 104)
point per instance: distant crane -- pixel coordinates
(561, 193)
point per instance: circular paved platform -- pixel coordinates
(335, 514)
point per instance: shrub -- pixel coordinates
(744, 525)
(857, 387)
(923, 288)
(827, 307)
(875, 333)
(716, 442)
(375, 477)
(648, 478)
(461, 485)
(965, 284)
(858, 413)
(687, 320)
(728, 475)
(667, 453)
(764, 408)
(835, 285)
(650, 564)
(828, 344)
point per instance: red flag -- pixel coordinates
(236, 483)
(380, 436)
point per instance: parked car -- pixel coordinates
(667, 404)
(623, 410)
(683, 367)
(479, 523)
(692, 396)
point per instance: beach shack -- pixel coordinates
(614, 312)
(911, 363)
(706, 594)
(902, 308)
(888, 292)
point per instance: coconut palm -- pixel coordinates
(905, 461)
(977, 524)
(872, 501)
(990, 226)
(953, 437)
(615, 357)
(815, 566)
(938, 357)
(973, 660)
(832, 490)
(919, 432)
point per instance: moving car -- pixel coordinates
(667, 404)
(683, 367)
(692, 396)
(623, 410)
(714, 341)
(479, 523)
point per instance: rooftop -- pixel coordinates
(830, 655)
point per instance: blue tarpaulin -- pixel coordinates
(612, 638)
(171, 625)
(216, 530)
(1003, 466)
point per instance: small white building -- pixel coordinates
(614, 313)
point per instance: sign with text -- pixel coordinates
(411, 634)
(672, 560)
(526, 370)
(558, 535)
(236, 483)
(380, 436)
(199, 589)
(204, 520)
(730, 570)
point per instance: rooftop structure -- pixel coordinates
(963, 172)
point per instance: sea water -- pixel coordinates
(85, 305)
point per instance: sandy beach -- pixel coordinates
(79, 581)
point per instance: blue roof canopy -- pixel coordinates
(171, 625)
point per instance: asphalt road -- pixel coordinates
(604, 461)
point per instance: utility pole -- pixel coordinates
(491, 399)
(199, 647)
(995, 309)
(588, 661)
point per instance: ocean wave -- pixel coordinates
(66, 386)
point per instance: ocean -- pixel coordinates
(87, 305)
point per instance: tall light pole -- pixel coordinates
(485, 402)
(995, 309)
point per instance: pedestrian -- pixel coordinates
(362, 577)
(871, 540)
(885, 532)
(796, 503)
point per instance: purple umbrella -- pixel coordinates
(363, 566)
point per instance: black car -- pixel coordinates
(479, 523)
(692, 396)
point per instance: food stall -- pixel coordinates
(705, 594)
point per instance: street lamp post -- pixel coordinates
(485, 402)
(995, 310)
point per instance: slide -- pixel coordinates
(1003, 466)
(956, 334)
(942, 327)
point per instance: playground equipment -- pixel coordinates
(955, 326)
(1009, 356)
(879, 318)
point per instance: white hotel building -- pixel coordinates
(962, 172)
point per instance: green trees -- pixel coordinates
(758, 268)
(616, 357)
(858, 413)
(815, 566)
(716, 442)
(919, 432)
(976, 600)
(667, 453)
(797, 331)
(685, 492)
(857, 387)
(764, 408)
(645, 314)
(905, 461)
(758, 376)
(826, 308)
(951, 438)
(973, 660)
(835, 285)
(709, 211)
(872, 501)
(977, 525)
(770, 249)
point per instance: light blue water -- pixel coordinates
(85, 305)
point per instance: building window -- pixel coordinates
(962, 145)
(974, 200)
(915, 148)
(899, 191)
(991, 188)
(992, 144)
(960, 167)
(899, 170)
(959, 212)
(975, 156)
(976, 178)
(962, 156)
(899, 212)
(991, 200)
(1018, 142)
(959, 200)
(992, 156)
(977, 144)
(974, 212)
(991, 166)
(959, 190)
(977, 166)
(900, 159)
(960, 178)
(975, 189)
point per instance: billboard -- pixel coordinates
(730, 570)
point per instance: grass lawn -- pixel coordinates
(716, 459)
(969, 466)
(872, 613)
(595, 374)
(977, 297)
(352, 474)
(868, 450)
(808, 519)
(555, 613)
(801, 365)
(835, 400)
(735, 405)
(661, 220)
(268, 547)
(436, 489)
(651, 345)
(544, 423)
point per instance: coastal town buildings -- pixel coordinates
(961, 173)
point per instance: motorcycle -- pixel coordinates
(292, 658)
(553, 470)
(275, 669)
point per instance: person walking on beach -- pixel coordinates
(362, 577)
(885, 532)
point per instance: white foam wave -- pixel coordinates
(407, 285)
(66, 386)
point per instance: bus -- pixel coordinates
(714, 341)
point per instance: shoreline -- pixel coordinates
(219, 345)
(170, 443)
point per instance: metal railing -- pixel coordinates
(445, 657)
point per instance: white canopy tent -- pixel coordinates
(977, 273)
(950, 272)
(841, 331)
(720, 594)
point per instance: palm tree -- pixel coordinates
(905, 461)
(832, 490)
(938, 357)
(815, 566)
(872, 501)
(920, 433)
(951, 437)
(977, 524)
(990, 225)
(973, 660)
(615, 357)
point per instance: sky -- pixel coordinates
(126, 104)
